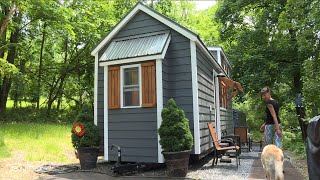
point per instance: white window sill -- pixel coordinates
(222, 108)
(130, 107)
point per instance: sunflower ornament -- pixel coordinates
(79, 129)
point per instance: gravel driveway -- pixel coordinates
(198, 170)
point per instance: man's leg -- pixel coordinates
(269, 133)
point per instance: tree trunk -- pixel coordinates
(7, 81)
(294, 55)
(62, 80)
(40, 65)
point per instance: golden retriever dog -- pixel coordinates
(272, 158)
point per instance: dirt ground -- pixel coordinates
(16, 167)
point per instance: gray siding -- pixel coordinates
(206, 98)
(176, 75)
(226, 120)
(135, 130)
(100, 104)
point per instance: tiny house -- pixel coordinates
(143, 62)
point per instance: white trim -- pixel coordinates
(167, 32)
(131, 60)
(219, 57)
(150, 12)
(105, 114)
(121, 85)
(222, 108)
(217, 104)
(95, 91)
(217, 48)
(196, 127)
(159, 104)
(166, 47)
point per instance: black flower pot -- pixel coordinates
(88, 157)
(177, 163)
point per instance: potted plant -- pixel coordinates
(176, 139)
(85, 139)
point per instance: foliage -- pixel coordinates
(91, 137)
(274, 43)
(32, 115)
(293, 142)
(6, 68)
(174, 132)
(37, 141)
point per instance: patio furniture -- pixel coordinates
(220, 150)
(245, 139)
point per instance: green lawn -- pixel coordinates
(39, 141)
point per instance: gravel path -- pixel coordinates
(226, 171)
(11, 169)
(198, 170)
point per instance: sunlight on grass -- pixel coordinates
(40, 142)
(4, 152)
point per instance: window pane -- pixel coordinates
(131, 97)
(131, 76)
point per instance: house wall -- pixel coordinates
(177, 75)
(226, 120)
(205, 68)
(226, 115)
(135, 130)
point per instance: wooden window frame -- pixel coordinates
(122, 81)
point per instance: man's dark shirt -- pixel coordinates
(275, 105)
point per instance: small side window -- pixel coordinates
(130, 86)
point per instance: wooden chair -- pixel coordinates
(218, 149)
(242, 132)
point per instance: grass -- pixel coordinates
(38, 141)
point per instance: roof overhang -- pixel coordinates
(219, 49)
(144, 47)
(177, 27)
(140, 7)
(149, 44)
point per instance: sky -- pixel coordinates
(204, 4)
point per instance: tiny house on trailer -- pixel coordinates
(142, 63)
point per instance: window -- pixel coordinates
(131, 86)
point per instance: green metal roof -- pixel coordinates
(136, 46)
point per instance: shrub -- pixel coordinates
(84, 132)
(174, 132)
